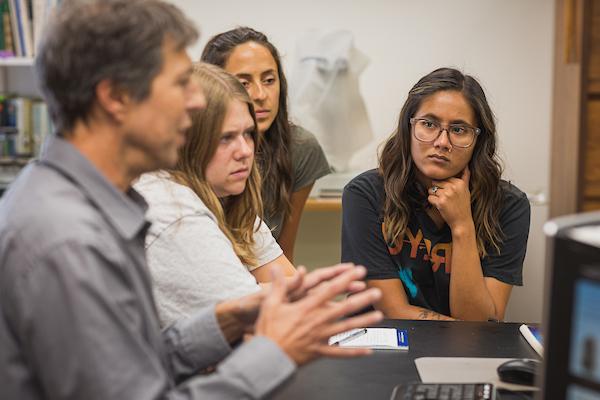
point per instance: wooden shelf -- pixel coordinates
(15, 161)
(16, 62)
(323, 204)
(594, 89)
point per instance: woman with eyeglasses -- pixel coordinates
(441, 234)
(289, 158)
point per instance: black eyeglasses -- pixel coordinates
(427, 131)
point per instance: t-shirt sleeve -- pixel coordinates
(507, 265)
(265, 245)
(308, 159)
(362, 237)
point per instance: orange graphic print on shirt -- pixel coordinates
(440, 255)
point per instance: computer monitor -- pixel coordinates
(572, 309)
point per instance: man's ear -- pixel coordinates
(113, 99)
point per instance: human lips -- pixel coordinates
(241, 173)
(262, 113)
(439, 158)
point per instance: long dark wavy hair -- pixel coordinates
(273, 156)
(402, 188)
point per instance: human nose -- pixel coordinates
(245, 147)
(258, 92)
(443, 139)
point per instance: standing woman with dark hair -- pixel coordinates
(290, 158)
(440, 233)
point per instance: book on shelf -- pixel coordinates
(2, 43)
(22, 24)
(24, 140)
(24, 10)
(14, 26)
(40, 11)
(40, 125)
(24, 124)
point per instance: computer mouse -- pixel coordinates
(522, 371)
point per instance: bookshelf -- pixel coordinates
(9, 168)
(23, 24)
(16, 62)
(16, 77)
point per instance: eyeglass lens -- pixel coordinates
(428, 131)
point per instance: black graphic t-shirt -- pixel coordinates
(422, 259)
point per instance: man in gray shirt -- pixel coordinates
(77, 315)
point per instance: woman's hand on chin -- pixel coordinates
(452, 198)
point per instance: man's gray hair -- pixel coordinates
(89, 41)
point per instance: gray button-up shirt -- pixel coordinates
(77, 315)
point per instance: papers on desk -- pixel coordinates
(373, 338)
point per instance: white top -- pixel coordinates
(191, 260)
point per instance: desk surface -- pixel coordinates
(375, 376)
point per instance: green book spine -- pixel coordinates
(6, 27)
(2, 42)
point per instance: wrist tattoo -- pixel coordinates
(428, 314)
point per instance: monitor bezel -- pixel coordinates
(559, 289)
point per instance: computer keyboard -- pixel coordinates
(443, 391)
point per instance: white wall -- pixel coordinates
(507, 44)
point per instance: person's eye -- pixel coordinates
(184, 82)
(269, 81)
(226, 138)
(244, 83)
(428, 124)
(458, 129)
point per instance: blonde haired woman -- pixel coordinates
(207, 241)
